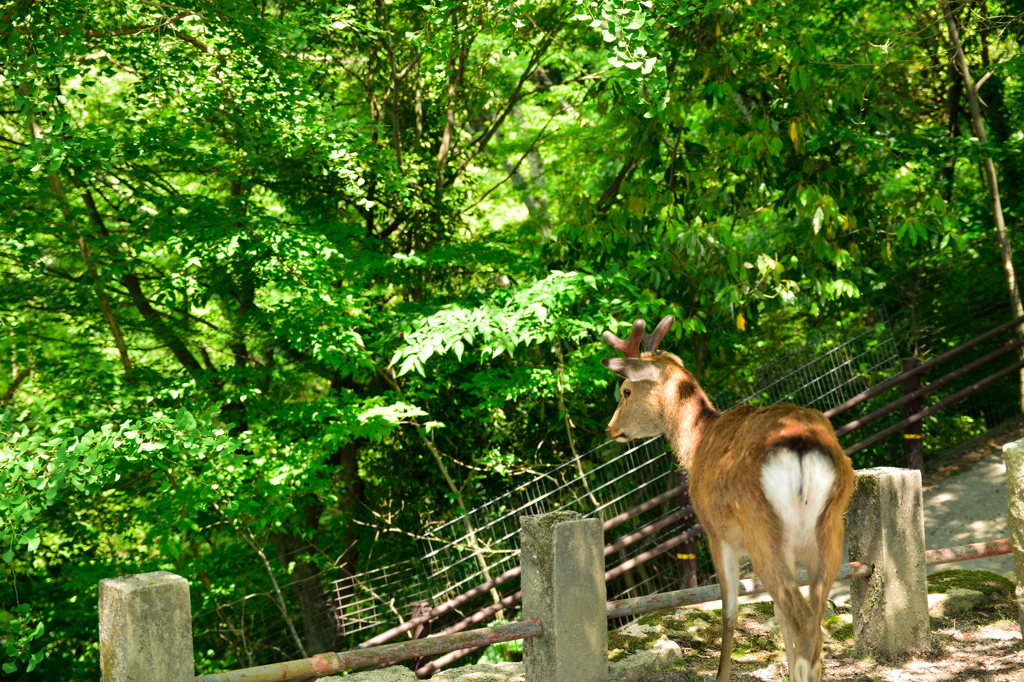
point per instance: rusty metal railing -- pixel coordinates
(979, 550)
(332, 663)
(699, 595)
(854, 569)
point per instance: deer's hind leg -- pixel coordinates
(727, 565)
(801, 633)
(824, 561)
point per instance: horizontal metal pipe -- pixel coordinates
(854, 569)
(923, 367)
(978, 550)
(925, 390)
(651, 553)
(649, 529)
(945, 402)
(331, 663)
(699, 595)
(646, 506)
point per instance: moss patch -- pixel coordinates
(991, 585)
(753, 644)
(838, 628)
(653, 619)
(628, 643)
(762, 608)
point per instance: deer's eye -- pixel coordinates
(625, 393)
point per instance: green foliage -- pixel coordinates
(301, 280)
(17, 631)
(36, 470)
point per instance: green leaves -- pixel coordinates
(372, 420)
(17, 632)
(36, 471)
(499, 324)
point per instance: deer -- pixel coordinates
(771, 483)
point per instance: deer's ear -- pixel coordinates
(632, 369)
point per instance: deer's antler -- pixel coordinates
(631, 347)
(651, 341)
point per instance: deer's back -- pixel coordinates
(726, 472)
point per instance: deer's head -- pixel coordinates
(655, 381)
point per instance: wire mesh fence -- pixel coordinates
(484, 543)
(829, 369)
(602, 483)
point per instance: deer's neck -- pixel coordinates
(688, 419)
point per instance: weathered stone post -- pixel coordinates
(885, 525)
(563, 586)
(146, 629)
(1013, 455)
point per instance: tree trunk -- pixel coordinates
(318, 625)
(956, 91)
(989, 170)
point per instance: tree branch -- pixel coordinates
(455, 79)
(108, 314)
(177, 347)
(9, 393)
(279, 601)
(607, 199)
(132, 30)
(480, 143)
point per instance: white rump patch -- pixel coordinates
(797, 487)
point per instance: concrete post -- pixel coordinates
(885, 525)
(563, 586)
(1013, 455)
(146, 629)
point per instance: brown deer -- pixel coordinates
(770, 482)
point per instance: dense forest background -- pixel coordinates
(284, 283)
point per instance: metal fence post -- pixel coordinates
(885, 526)
(417, 609)
(913, 445)
(146, 629)
(686, 553)
(563, 586)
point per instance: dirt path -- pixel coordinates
(965, 501)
